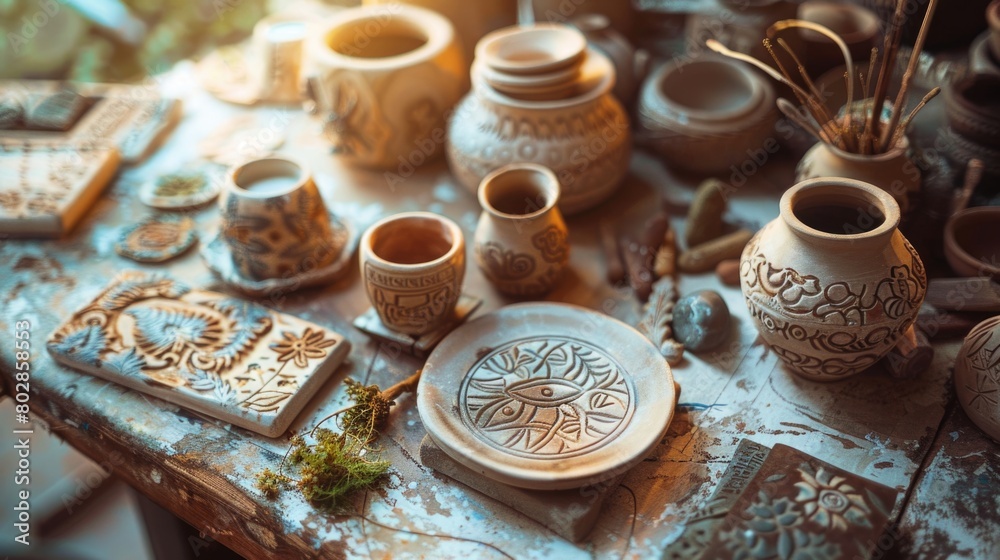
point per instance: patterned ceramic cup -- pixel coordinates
(413, 265)
(274, 220)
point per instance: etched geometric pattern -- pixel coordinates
(546, 398)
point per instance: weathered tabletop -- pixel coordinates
(203, 470)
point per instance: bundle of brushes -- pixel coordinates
(863, 128)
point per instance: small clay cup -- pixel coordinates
(412, 265)
(972, 242)
(274, 219)
(521, 241)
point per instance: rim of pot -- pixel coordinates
(434, 29)
(839, 191)
(957, 250)
(602, 66)
(237, 172)
(865, 21)
(447, 224)
(547, 183)
(682, 113)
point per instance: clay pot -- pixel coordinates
(472, 20)
(580, 132)
(703, 115)
(972, 242)
(977, 376)
(274, 220)
(742, 26)
(973, 109)
(521, 241)
(893, 171)
(857, 26)
(383, 80)
(981, 57)
(630, 65)
(412, 265)
(831, 284)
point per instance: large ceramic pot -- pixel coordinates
(576, 128)
(383, 80)
(831, 284)
(707, 114)
(893, 171)
(977, 376)
(521, 240)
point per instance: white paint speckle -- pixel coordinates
(155, 475)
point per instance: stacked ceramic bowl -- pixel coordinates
(703, 115)
(543, 64)
(972, 107)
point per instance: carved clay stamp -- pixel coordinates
(524, 396)
(228, 358)
(157, 238)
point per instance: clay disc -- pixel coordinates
(546, 396)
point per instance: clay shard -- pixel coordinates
(657, 320)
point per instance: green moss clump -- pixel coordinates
(334, 467)
(366, 419)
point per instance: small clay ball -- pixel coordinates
(728, 272)
(701, 321)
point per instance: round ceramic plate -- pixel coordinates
(546, 396)
(182, 189)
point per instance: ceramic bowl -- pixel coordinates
(972, 242)
(703, 115)
(537, 49)
(993, 18)
(981, 58)
(973, 109)
(856, 25)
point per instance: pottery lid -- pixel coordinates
(534, 49)
(596, 78)
(528, 397)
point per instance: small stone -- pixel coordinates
(701, 321)
(728, 272)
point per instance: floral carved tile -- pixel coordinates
(800, 507)
(225, 357)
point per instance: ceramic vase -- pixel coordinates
(831, 284)
(412, 266)
(630, 64)
(708, 114)
(521, 242)
(540, 96)
(274, 220)
(977, 376)
(472, 20)
(893, 171)
(382, 80)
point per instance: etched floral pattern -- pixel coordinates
(830, 501)
(300, 349)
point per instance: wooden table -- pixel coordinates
(906, 434)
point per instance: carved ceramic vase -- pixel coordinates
(893, 172)
(412, 266)
(274, 219)
(382, 80)
(521, 241)
(555, 109)
(831, 284)
(977, 376)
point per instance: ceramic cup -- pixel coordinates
(413, 265)
(521, 240)
(972, 242)
(383, 79)
(274, 220)
(276, 52)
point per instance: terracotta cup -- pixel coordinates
(521, 240)
(413, 265)
(274, 220)
(972, 242)
(277, 46)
